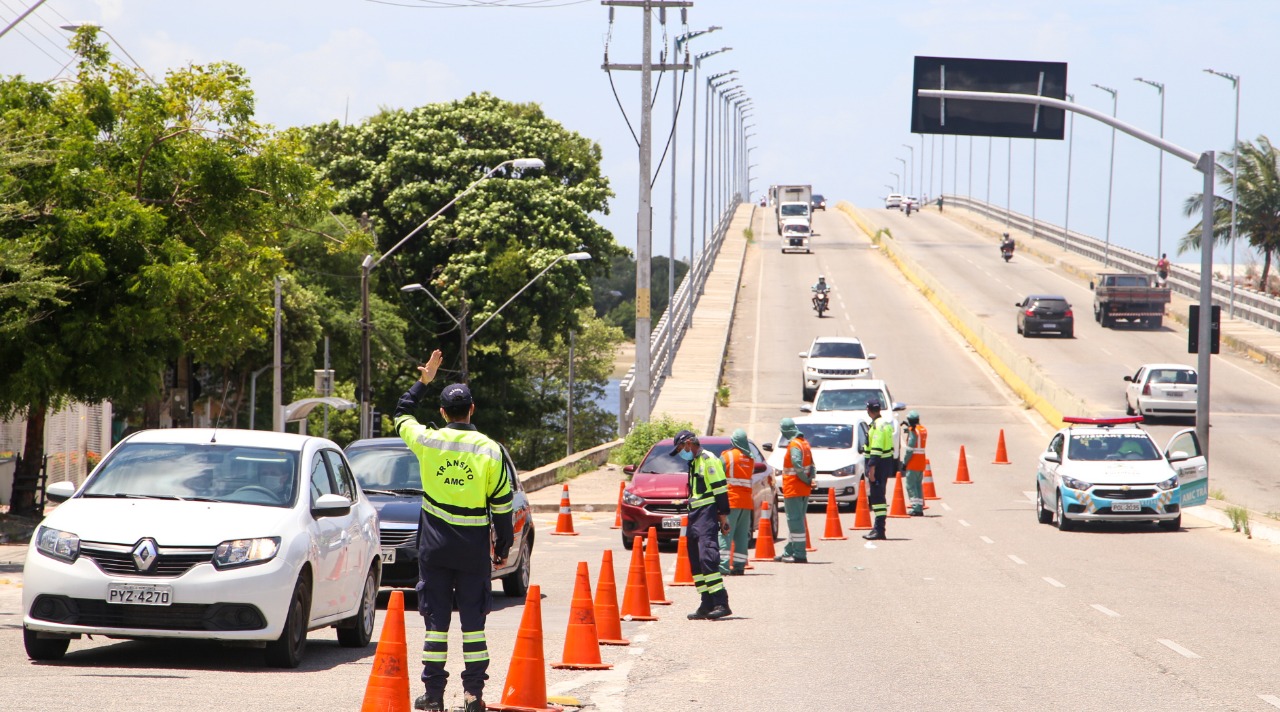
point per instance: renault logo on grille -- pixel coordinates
(144, 555)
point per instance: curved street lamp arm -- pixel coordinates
(526, 286)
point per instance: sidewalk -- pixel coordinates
(594, 491)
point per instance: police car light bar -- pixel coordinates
(1076, 420)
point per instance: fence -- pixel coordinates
(665, 340)
(1250, 306)
(74, 437)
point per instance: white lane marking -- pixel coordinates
(963, 523)
(946, 506)
(1176, 648)
(1016, 560)
(1105, 351)
(1055, 582)
(986, 539)
(1104, 610)
(1270, 699)
(610, 693)
(1031, 496)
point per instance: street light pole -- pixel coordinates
(1106, 250)
(911, 169)
(1160, 177)
(905, 173)
(103, 30)
(369, 263)
(1071, 133)
(693, 170)
(898, 181)
(1235, 197)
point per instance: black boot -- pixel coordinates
(429, 703)
(877, 530)
(471, 703)
(703, 609)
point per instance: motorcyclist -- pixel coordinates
(1162, 269)
(820, 290)
(1006, 244)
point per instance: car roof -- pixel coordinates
(853, 384)
(837, 340)
(227, 436)
(1103, 430)
(702, 439)
(365, 443)
(1046, 296)
(1151, 366)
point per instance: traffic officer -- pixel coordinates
(797, 482)
(880, 465)
(465, 487)
(708, 514)
(913, 461)
(739, 469)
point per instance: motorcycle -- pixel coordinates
(908, 209)
(820, 304)
(1006, 251)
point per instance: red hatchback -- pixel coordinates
(660, 485)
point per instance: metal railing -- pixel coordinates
(665, 340)
(1250, 305)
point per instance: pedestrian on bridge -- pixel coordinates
(739, 469)
(880, 466)
(913, 458)
(708, 518)
(797, 482)
(465, 489)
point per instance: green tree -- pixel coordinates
(614, 293)
(402, 165)
(160, 208)
(1257, 203)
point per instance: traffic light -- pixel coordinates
(1193, 329)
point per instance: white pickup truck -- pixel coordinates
(796, 235)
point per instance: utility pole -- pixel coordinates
(644, 215)
(277, 385)
(568, 407)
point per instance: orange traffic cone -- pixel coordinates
(617, 517)
(927, 484)
(833, 532)
(608, 621)
(388, 688)
(1002, 456)
(564, 523)
(862, 509)
(962, 470)
(764, 537)
(898, 508)
(684, 574)
(581, 644)
(808, 545)
(653, 571)
(635, 599)
(526, 687)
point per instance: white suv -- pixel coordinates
(242, 536)
(832, 358)
(848, 399)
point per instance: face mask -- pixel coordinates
(686, 455)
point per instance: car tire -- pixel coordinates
(1171, 525)
(287, 650)
(1156, 322)
(1069, 333)
(627, 541)
(1044, 516)
(806, 394)
(357, 631)
(43, 649)
(1128, 409)
(1060, 514)
(516, 583)
(1019, 328)
(773, 521)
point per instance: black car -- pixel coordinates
(390, 476)
(817, 202)
(1039, 313)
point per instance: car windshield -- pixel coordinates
(205, 472)
(837, 349)
(846, 398)
(818, 199)
(826, 436)
(1112, 446)
(660, 460)
(1127, 280)
(385, 468)
(794, 210)
(1173, 375)
(1053, 304)
(797, 229)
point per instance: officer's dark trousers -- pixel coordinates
(884, 468)
(438, 589)
(704, 556)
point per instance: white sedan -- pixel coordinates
(1109, 469)
(836, 443)
(247, 537)
(1161, 389)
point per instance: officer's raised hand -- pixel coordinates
(428, 372)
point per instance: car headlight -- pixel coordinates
(57, 544)
(847, 471)
(810, 369)
(1171, 483)
(1073, 483)
(628, 497)
(245, 552)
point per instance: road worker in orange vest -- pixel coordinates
(913, 459)
(797, 481)
(739, 467)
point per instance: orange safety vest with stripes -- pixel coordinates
(793, 486)
(738, 467)
(917, 461)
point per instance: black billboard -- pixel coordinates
(988, 118)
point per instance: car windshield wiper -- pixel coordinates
(131, 495)
(367, 490)
(409, 490)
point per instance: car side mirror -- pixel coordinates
(803, 354)
(1052, 456)
(1091, 285)
(767, 447)
(629, 470)
(871, 357)
(899, 406)
(60, 491)
(330, 505)
(1018, 304)
(1129, 379)
(806, 408)
(1179, 456)
(759, 467)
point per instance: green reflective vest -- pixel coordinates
(462, 474)
(706, 480)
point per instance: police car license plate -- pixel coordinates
(388, 556)
(1126, 506)
(139, 594)
(671, 523)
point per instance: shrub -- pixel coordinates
(644, 435)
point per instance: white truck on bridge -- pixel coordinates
(791, 201)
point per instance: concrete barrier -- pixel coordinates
(546, 475)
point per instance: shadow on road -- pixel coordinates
(195, 655)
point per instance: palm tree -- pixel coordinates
(1257, 206)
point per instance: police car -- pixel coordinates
(1109, 469)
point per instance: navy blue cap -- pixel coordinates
(454, 395)
(874, 404)
(681, 438)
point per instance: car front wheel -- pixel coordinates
(1171, 525)
(43, 648)
(516, 583)
(1064, 524)
(357, 631)
(286, 651)
(1043, 515)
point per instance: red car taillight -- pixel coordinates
(1068, 314)
(1030, 312)
(1146, 390)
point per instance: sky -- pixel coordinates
(830, 81)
